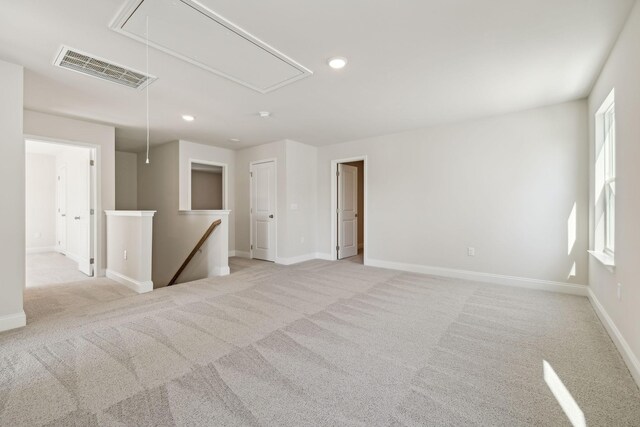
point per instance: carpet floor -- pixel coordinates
(51, 268)
(318, 343)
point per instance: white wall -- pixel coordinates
(40, 204)
(296, 198)
(301, 200)
(41, 126)
(126, 175)
(129, 248)
(12, 185)
(621, 72)
(274, 150)
(505, 185)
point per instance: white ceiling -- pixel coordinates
(411, 64)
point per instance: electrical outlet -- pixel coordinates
(471, 251)
(619, 291)
(125, 254)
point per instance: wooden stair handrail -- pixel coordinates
(195, 250)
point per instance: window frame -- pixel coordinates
(606, 141)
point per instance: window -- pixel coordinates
(605, 182)
(609, 152)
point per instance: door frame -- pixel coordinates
(95, 186)
(334, 206)
(275, 165)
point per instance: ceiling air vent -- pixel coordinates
(81, 62)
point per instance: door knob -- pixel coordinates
(271, 216)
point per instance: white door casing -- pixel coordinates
(79, 201)
(82, 216)
(61, 209)
(347, 211)
(263, 210)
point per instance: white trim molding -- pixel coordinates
(13, 321)
(334, 204)
(240, 254)
(295, 259)
(275, 196)
(130, 213)
(205, 212)
(221, 271)
(137, 286)
(629, 358)
(498, 279)
(605, 259)
(41, 250)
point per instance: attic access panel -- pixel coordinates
(188, 30)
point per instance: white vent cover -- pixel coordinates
(74, 60)
(194, 33)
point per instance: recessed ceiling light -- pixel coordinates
(264, 114)
(188, 118)
(337, 62)
(234, 140)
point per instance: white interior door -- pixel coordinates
(263, 211)
(79, 221)
(347, 211)
(61, 209)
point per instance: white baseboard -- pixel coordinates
(139, 287)
(13, 321)
(324, 256)
(295, 259)
(521, 282)
(221, 271)
(41, 250)
(241, 254)
(623, 347)
(101, 273)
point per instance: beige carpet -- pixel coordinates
(318, 343)
(51, 268)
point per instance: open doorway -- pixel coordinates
(208, 184)
(348, 228)
(60, 213)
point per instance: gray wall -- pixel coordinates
(126, 181)
(175, 233)
(206, 190)
(12, 226)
